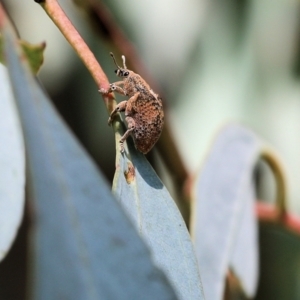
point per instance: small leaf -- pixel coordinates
(224, 225)
(12, 167)
(84, 246)
(34, 54)
(158, 220)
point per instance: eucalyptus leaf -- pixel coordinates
(224, 226)
(12, 166)
(84, 246)
(158, 220)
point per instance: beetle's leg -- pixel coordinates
(131, 125)
(120, 107)
(129, 110)
(115, 87)
(118, 83)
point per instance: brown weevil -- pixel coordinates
(143, 110)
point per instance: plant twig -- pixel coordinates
(3, 17)
(281, 193)
(58, 16)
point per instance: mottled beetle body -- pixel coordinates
(143, 110)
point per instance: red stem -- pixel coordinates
(58, 16)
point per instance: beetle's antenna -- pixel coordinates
(124, 63)
(113, 57)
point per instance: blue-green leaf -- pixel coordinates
(12, 167)
(158, 220)
(224, 225)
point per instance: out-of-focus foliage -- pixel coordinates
(243, 70)
(279, 257)
(12, 166)
(224, 214)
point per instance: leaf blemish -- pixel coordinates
(129, 173)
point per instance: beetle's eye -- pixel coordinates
(126, 73)
(116, 71)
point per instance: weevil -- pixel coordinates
(143, 110)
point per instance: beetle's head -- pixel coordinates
(121, 72)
